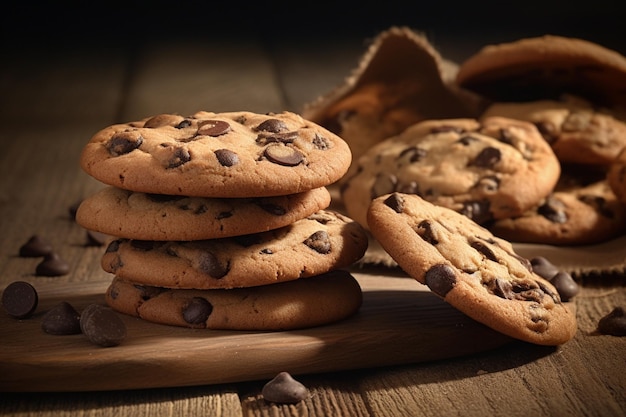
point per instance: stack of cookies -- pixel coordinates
(222, 221)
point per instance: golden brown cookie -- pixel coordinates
(235, 154)
(299, 304)
(135, 215)
(319, 243)
(617, 177)
(474, 271)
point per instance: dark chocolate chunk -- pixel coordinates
(52, 266)
(412, 154)
(484, 249)
(478, 211)
(209, 264)
(125, 142)
(320, 142)
(179, 156)
(272, 125)
(197, 311)
(271, 208)
(565, 285)
(213, 128)
(395, 202)
(114, 246)
(227, 157)
(283, 388)
(35, 247)
(20, 299)
(61, 320)
(553, 209)
(425, 230)
(598, 203)
(466, 140)
(517, 290)
(319, 242)
(614, 323)
(102, 326)
(486, 158)
(548, 131)
(185, 123)
(488, 184)
(283, 155)
(440, 279)
(543, 267)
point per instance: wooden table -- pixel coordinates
(55, 95)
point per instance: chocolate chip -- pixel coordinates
(271, 208)
(466, 140)
(488, 184)
(61, 320)
(178, 156)
(565, 285)
(122, 143)
(272, 125)
(486, 158)
(227, 157)
(395, 202)
(478, 211)
(485, 250)
(283, 155)
(321, 143)
(425, 231)
(548, 131)
(319, 242)
(197, 311)
(286, 137)
(213, 128)
(183, 124)
(114, 246)
(543, 267)
(209, 264)
(440, 279)
(598, 203)
(52, 266)
(518, 290)
(412, 154)
(553, 209)
(35, 247)
(102, 326)
(20, 299)
(284, 389)
(614, 323)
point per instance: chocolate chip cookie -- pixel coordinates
(316, 301)
(236, 154)
(311, 246)
(577, 131)
(616, 177)
(494, 169)
(582, 215)
(135, 215)
(474, 271)
(546, 67)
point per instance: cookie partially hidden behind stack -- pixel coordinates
(221, 221)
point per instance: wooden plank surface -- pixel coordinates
(53, 100)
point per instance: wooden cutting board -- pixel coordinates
(400, 322)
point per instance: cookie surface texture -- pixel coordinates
(578, 216)
(238, 154)
(134, 215)
(544, 68)
(576, 131)
(472, 270)
(616, 177)
(320, 300)
(317, 244)
(495, 169)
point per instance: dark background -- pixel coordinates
(601, 21)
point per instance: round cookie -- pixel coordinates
(238, 154)
(544, 68)
(311, 246)
(299, 304)
(584, 215)
(135, 215)
(576, 131)
(495, 169)
(616, 177)
(472, 270)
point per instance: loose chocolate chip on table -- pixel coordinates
(20, 299)
(565, 285)
(102, 326)
(52, 266)
(62, 319)
(614, 323)
(543, 267)
(35, 246)
(283, 388)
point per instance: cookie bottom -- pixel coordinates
(298, 304)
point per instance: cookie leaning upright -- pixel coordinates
(235, 154)
(474, 271)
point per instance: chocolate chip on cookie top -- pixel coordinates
(495, 169)
(471, 269)
(236, 154)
